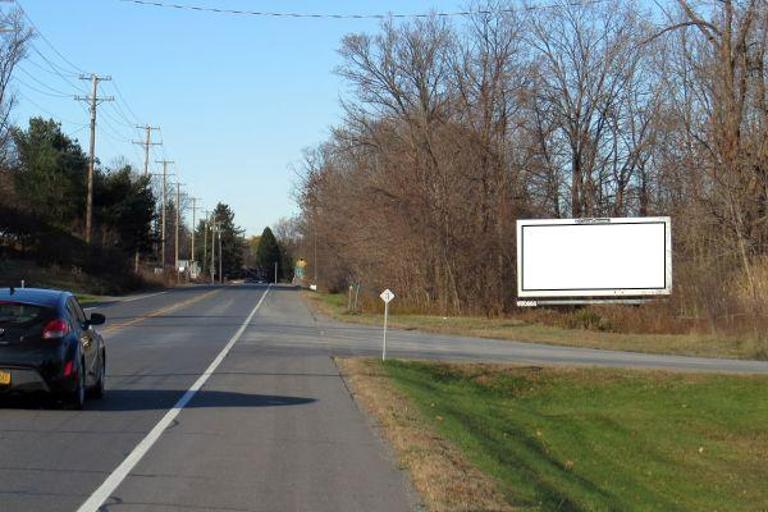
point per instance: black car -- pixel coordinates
(48, 344)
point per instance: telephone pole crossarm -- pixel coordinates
(147, 144)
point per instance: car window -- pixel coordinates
(73, 316)
(79, 311)
(16, 314)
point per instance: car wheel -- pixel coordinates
(98, 389)
(76, 398)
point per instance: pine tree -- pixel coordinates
(268, 252)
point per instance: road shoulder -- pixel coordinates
(520, 330)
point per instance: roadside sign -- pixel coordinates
(299, 268)
(387, 297)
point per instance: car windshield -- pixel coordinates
(18, 314)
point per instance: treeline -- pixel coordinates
(42, 215)
(455, 129)
(43, 207)
(43, 194)
(43, 180)
(233, 244)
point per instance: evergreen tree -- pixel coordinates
(268, 252)
(124, 207)
(232, 241)
(50, 177)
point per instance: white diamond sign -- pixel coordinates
(387, 296)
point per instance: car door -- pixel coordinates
(85, 335)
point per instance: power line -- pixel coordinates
(52, 90)
(111, 133)
(113, 124)
(56, 69)
(45, 39)
(40, 91)
(39, 66)
(338, 16)
(120, 120)
(218, 10)
(65, 75)
(71, 134)
(119, 124)
(121, 112)
(46, 111)
(127, 105)
(162, 143)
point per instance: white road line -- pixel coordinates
(105, 490)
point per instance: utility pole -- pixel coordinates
(221, 259)
(147, 144)
(165, 204)
(206, 214)
(213, 248)
(193, 257)
(94, 102)
(178, 222)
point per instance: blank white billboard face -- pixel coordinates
(566, 257)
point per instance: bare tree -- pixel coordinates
(589, 108)
(14, 39)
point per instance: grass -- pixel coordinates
(600, 439)
(86, 299)
(443, 477)
(516, 329)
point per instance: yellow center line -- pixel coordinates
(162, 311)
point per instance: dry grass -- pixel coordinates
(439, 471)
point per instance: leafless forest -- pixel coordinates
(454, 129)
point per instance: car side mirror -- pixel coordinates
(97, 319)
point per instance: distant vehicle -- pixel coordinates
(47, 344)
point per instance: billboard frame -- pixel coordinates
(593, 293)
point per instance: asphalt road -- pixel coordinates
(223, 399)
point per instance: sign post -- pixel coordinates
(387, 297)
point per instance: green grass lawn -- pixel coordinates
(510, 328)
(602, 439)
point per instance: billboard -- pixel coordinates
(604, 257)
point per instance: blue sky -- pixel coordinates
(237, 97)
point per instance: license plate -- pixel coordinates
(5, 378)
